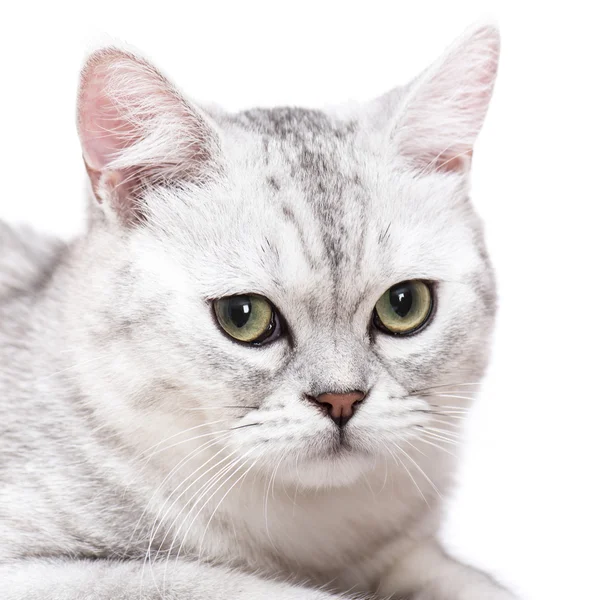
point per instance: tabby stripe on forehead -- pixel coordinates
(290, 217)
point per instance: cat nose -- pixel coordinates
(339, 407)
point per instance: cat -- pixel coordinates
(246, 380)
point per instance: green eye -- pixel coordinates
(404, 308)
(246, 318)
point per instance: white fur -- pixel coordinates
(131, 422)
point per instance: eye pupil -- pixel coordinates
(401, 300)
(247, 318)
(238, 310)
(405, 308)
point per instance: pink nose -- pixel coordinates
(340, 407)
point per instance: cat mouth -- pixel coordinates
(339, 444)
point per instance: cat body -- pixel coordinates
(146, 453)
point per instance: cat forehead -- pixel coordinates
(334, 175)
(310, 203)
(308, 146)
(295, 170)
(293, 124)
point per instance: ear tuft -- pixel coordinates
(443, 112)
(136, 131)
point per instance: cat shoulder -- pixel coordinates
(27, 260)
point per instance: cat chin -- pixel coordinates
(333, 471)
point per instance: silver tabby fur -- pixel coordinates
(146, 455)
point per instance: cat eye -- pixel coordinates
(247, 318)
(405, 308)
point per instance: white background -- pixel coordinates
(528, 503)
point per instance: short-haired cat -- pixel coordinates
(247, 379)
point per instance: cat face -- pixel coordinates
(258, 269)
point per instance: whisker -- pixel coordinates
(436, 436)
(242, 426)
(450, 395)
(156, 528)
(385, 475)
(181, 545)
(180, 433)
(419, 468)
(221, 407)
(392, 454)
(205, 486)
(424, 441)
(199, 511)
(455, 425)
(196, 437)
(448, 414)
(444, 385)
(172, 472)
(224, 496)
(438, 430)
(451, 415)
(413, 446)
(271, 482)
(413, 479)
(148, 557)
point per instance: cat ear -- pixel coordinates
(444, 108)
(137, 131)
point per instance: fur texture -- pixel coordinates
(146, 454)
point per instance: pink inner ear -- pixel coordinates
(104, 131)
(137, 130)
(453, 163)
(123, 184)
(444, 114)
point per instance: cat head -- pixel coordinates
(299, 287)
